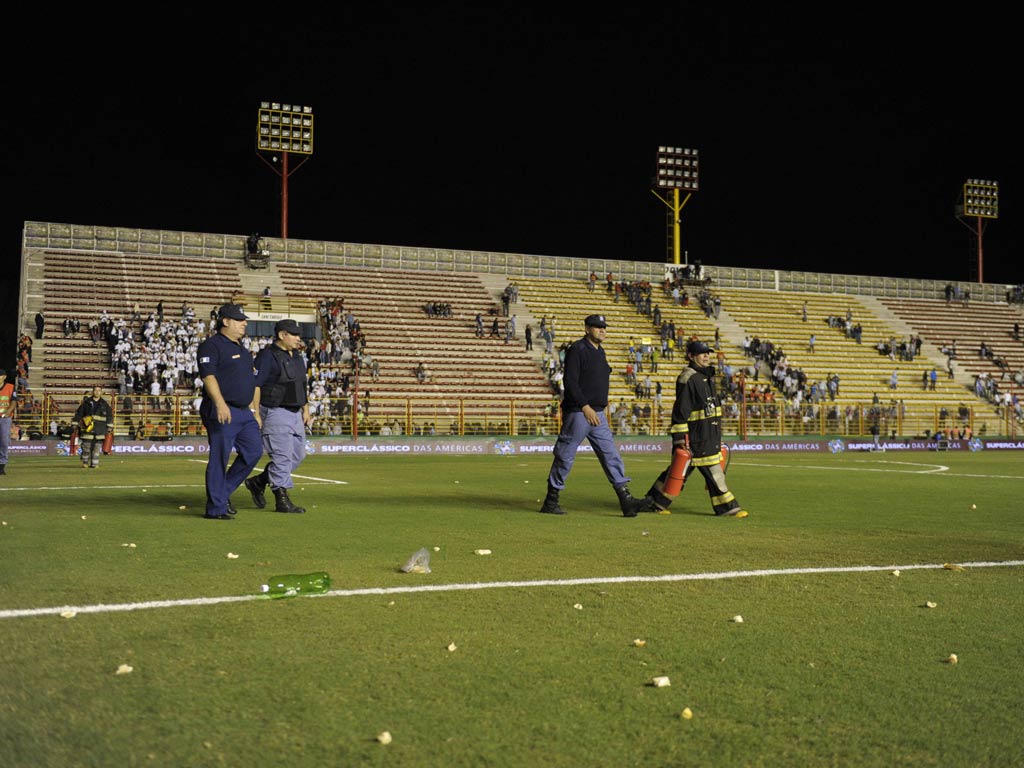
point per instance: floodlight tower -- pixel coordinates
(677, 170)
(283, 129)
(978, 200)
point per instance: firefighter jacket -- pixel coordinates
(697, 412)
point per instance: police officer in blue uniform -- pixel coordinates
(228, 410)
(284, 412)
(586, 372)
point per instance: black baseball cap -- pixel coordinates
(288, 326)
(696, 347)
(595, 321)
(232, 311)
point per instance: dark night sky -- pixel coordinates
(831, 140)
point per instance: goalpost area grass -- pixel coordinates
(826, 668)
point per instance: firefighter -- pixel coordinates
(696, 438)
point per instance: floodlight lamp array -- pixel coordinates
(678, 168)
(981, 198)
(284, 127)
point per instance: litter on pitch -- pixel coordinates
(419, 562)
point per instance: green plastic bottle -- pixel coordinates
(292, 584)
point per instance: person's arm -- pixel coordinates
(213, 391)
(254, 406)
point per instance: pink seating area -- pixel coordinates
(940, 323)
(83, 284)
(389, 305)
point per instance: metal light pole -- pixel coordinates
(283, 129)
(677, 169)
(979, 200)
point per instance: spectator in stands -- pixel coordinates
(40, 324)
(421, 372)
(529, 337)
(894, 380)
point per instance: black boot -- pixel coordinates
(550, 506)
(629, 505)
(284, 504)
(256, 486)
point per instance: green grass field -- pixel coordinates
(827, 668)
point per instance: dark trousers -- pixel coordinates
(242, 434)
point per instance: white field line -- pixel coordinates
(144, 486)
(934, 470)
(15, 613)
(302, 477)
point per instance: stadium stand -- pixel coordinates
(970, 325)
(484, 385)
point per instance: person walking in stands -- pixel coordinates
(228, 410)
(8, 396)
(93, 416)
(696, 438)
(284, 412)
(529, 337)
(585, 382)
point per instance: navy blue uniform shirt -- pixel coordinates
(232, 364)
(585, 377)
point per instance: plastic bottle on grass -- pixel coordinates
(292, 584)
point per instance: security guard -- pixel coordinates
(696, 438)
(284, 411)
(228, 411)
(586, 372)
(8, 396)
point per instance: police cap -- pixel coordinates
(232, 311)
(288, 325)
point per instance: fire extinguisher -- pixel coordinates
(73, 445)
(108, 442)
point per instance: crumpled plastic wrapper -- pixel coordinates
(481, 551)
(953, 567)
(384, 737)
(661, 681)
(639, 643)
(951, 659)
(737, 619)
(686, 714)
(418, 563)
(124, 669)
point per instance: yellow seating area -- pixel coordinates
(570, 301)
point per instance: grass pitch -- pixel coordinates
(828, 667)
